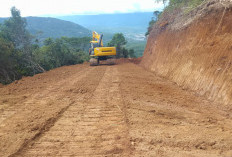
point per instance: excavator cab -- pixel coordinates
(97, 52)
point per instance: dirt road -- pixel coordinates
(119, 110)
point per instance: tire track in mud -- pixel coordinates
(165, 120)
(11, 110)
(95, 126)
(118, 110)
(39, 112)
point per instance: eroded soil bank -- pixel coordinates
(196, 53)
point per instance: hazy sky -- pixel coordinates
(65, 7)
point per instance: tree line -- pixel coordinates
(21, 55)
(119, 42)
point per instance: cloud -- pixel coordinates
(66, 7)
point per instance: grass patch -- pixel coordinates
(183, 5)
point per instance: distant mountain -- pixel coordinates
(111, 20)
(55, 28)
(133, 25)
(2, 20)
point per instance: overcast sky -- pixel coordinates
(67, 7)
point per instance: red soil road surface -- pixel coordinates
(119, 110)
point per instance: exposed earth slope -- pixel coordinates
(195, 51)
(119, 110)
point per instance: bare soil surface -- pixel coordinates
(198, 57)
(120, 110)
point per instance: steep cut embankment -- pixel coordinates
(198, 55)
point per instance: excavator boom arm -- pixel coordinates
(97, 37)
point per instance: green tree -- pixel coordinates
(124, 52)
(118, 41)
(60, 52)
(131, 53)
(14, 30)
(19, 57)
(152, 22)
(48, 41)
(7, 62)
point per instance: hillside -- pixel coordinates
(194, 50)
(133, 25)
(2, 20)
(55, 28)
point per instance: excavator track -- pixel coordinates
(110, 61)
(93, 62)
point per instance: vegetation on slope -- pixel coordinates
(55, 28)
(194, 49)
(43, 27)
(174, 12)
(112, 23)
(21, 56)
(177, 7)
(183, 5)
(137, 46)
(119, 42)
(152, 22)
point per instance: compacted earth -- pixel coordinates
(119, 110)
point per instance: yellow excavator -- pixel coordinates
(98, 53)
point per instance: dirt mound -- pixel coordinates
(122, 60)
(136, 60)
(197, 57)
(1, 85)
(129, 60)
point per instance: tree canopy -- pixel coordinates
(119, 42)
(19, 56)
(14, 30)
